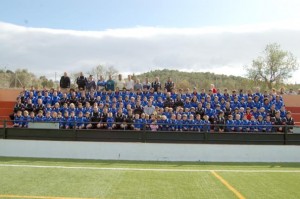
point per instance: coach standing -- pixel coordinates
(65, 83)
(81, 82)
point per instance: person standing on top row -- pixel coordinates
(120, 82)
(129, 84)
(64, 83)
(90, 84)
(169, 85)
(156, 84)
(101, 84)
(81, 81)
(146, 84)
(110, 84)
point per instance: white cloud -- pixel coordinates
(215, 49)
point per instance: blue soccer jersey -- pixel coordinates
(110, 121)
(253, 126)
(18, 121)
(229, 125)
(79, 122)
(268, 126)
(185, 125)
(172, 124)
(179, 125)
(260, 126)
(71, 122)
(25, 121)
(39, 118)
(238, 125)
(198, 125)
(138, 124)
(206, 126)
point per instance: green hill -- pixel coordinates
(205, 79)
(199, 79)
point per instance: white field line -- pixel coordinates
(153, 169)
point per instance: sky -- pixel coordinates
(49, 37)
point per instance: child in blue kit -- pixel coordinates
(110, 121)
(71, 122)
(80, 121)
(18, 120)
(138, 125)
(260, 124)
(268, 125)
(230, 124)
(238, 123)
(179, 123)
(206, 124)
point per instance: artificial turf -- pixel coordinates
(178, 180)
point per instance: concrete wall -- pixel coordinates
(291, 100)
(9, 95)
(149, 152)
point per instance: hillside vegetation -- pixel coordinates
(23, 77)
(204, 79)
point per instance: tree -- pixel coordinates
(97, 71)
(105, 71)
(273, 67)
(111, 70)
(21, 77)
(183, 84)
(73, 77)
(45, 82)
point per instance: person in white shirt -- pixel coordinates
(120, 82)
(149, 109)
(129, 84)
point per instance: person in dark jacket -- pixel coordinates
(220, 122)
(120, 119)
(178, 102)
(289, 121)
(200, 110)
(95, 118)
(169, 85)
(81, 81)
(90, 84)
(169, 102)
(138, 108)
(129, 120)
(278, 122)
(156, 84)
(18, 107)
(64, 83)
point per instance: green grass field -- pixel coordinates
(57, 179)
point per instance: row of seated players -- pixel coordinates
(159, 98)
(179, 122)
(85, 104)
(148, 108)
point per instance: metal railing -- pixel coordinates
(145, 135)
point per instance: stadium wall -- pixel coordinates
(149, 151)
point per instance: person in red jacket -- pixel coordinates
(213, 88)
(248, 113)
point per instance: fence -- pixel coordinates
(146, 136)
